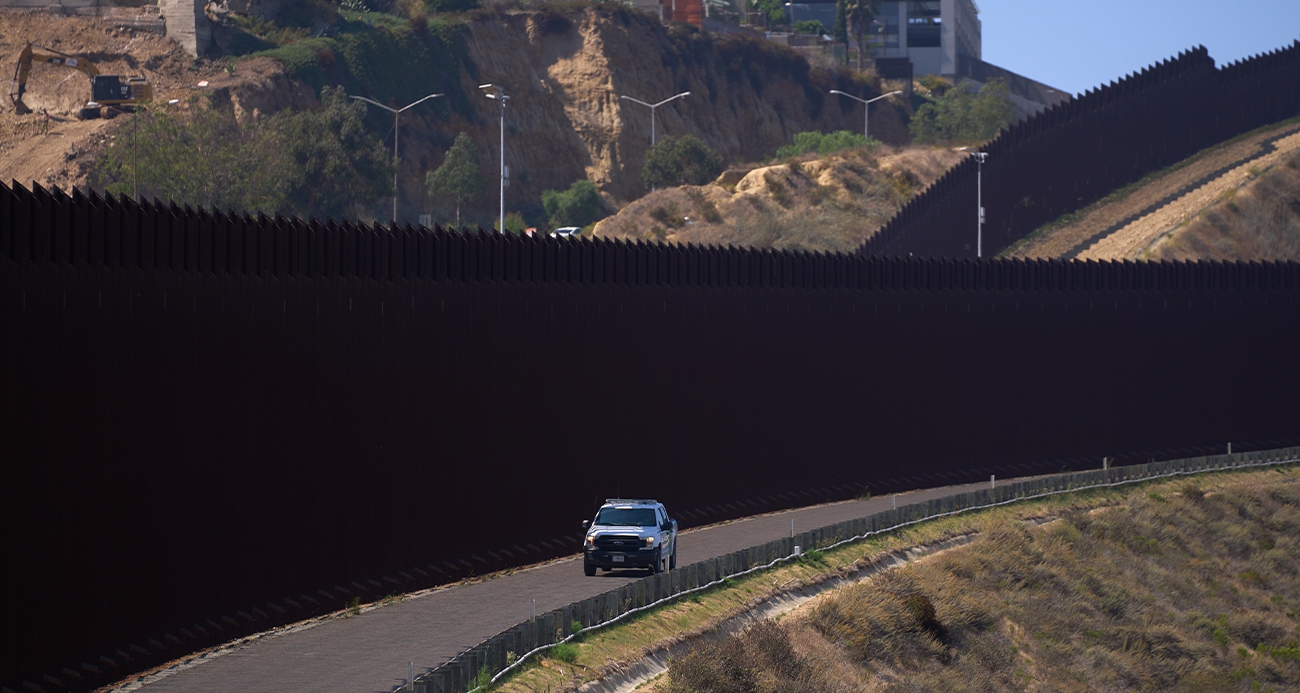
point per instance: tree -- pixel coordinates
(773, 10)
(860, 14)
(681, 160)
(341, 166)
(459, 174)
(964, 114)
(306, 163)
(577, 206)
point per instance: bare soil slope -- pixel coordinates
(830, 204)
(65, 155)
(1130, 224)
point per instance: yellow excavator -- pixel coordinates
(107, 92)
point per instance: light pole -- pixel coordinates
(652, 107)
(499, 93)
(396, 112)
(866, 106)
(979, 197)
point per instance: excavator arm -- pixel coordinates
(53, 57)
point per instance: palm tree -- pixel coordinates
(861, 14)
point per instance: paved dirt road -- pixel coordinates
(1130, 219)
(369, 653)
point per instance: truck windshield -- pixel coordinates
(626, 517)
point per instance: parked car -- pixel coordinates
(630, 534)
(566, 232)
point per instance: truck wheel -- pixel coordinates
(672, 560)
(657, 566)
(588, 569)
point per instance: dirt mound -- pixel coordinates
(63, 156)
(830, 204)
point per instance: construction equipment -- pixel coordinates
(112, 93)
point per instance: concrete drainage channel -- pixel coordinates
(656, 662)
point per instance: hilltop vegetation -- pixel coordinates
(809, 202)
(1188, 589)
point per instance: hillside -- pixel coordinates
(1181, 587)
(827, 204)
(564, 72)
(1235, 201)
(66, 155)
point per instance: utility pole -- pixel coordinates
(396, 112)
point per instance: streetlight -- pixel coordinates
(396, 112)
(866, 106)
(979, 197)
(652, 107)
(499, 93)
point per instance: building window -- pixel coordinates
(888, 19)
(924, 24)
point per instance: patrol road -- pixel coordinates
(369, 653)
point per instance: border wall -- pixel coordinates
(213, 424)
(1076, 153)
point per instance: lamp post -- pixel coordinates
(499, 93)
(396, 112)
(866, 106)
(652, 107)
(979, 197)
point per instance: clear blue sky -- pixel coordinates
(1075, 46)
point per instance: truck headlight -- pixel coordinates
(649, 541)
(591, 540)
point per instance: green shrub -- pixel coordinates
(681, 160)
(565, 652)
(320, 163)
(810, 26)
(577, 206)
(825, 144)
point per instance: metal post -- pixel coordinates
(1229, 448)
(791, 529)
(993, 481)
(866, 108)
(532, 610)
(979, 203)
(501, 217)
(410, 676)
(395, 135)
(893, 502)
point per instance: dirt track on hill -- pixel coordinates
(1126, 228)
(65, 155)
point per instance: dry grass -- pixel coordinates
(1139, 588)
(1175, 589)
(1260, 222)
(829, 204)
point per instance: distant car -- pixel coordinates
(630, 534)
(566, 231)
